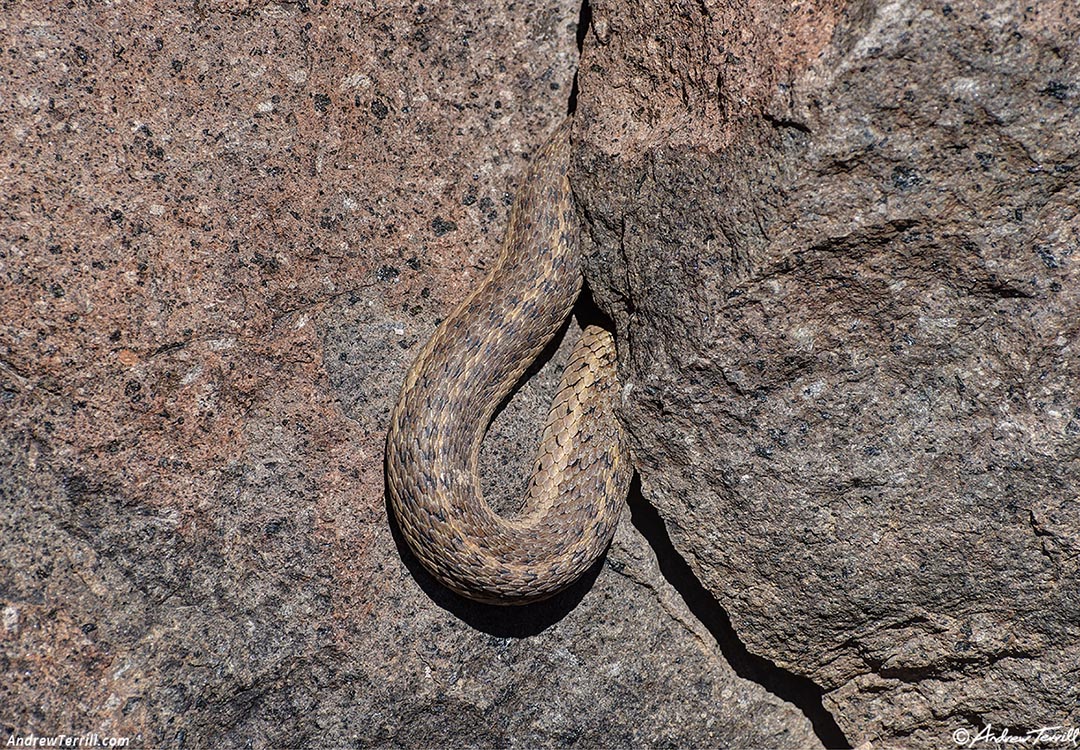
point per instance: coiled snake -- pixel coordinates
(582, 469)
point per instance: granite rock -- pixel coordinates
(840, 244)
(228, 228)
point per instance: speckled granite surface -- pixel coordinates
(227, 227)
(845, 279)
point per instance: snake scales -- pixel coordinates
(472, 362)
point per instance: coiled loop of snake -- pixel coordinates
(582, 470)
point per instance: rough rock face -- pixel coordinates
(837, 241)
(842, 250)
(227, 229)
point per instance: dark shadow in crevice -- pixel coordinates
(584, 21)
(588, 313)
(800, 691)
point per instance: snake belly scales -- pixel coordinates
(472, 362)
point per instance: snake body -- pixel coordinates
(471, 363)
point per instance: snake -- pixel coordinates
(472, 362)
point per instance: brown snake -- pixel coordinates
(582, 469)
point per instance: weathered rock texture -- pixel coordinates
(841, 246)
(227, 228)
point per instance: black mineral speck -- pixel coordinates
(905, 178)
(441, 226)
(268, 264)
(379, 109)
(132, 390)
(1048, 258)
(322, 102)
(1057, 89)
(387, 273)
